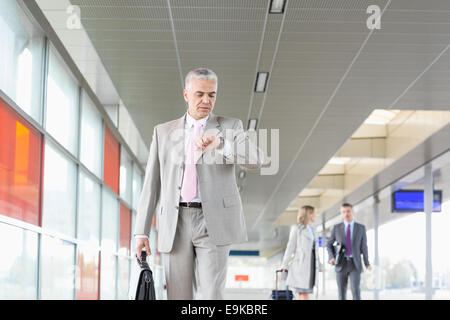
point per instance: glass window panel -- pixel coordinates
(125, 230)
(111, 161)
(110, 221)
(91, 136)
(62, 104)
(89, 210)
(20, 167)
(110, 240)
(126, 178)
(21, 55)
(137, 186)
(59, 192)
(57, 269)
(440, 235)
(18, 263)
(124, 278)
(87, 273)
(132, 242)
(108, 275)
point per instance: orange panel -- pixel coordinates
(88, 274)
(20, 167)
(241, 277)
(111, 167)
(125, 228)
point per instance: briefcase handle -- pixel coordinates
(143, 263)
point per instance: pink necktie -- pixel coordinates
(189, 187)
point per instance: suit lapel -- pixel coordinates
(342, 228)
(179, 125)
(355, 233)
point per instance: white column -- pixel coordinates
(376, 262)
(428, 204)
(324, 254)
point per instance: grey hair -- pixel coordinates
(199, 73)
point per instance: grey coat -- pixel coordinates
(297, 257)
(221, 201)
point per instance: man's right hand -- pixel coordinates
(332, 262)
(141, 243)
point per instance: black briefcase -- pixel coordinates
(146, 286)
(340, 254)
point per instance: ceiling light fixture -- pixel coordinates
(277, 6)
(261, 81)
(252, 123)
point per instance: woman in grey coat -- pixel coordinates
(300, 256)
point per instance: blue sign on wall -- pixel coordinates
(413, 201)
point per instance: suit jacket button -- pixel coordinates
(176, 207)
(179, 187)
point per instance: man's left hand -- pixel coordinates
(369, 267)
(207, 142)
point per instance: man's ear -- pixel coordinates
(185, 95)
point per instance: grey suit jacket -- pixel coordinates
(221, 201)
(359, 244)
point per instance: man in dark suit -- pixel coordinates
(353, 237)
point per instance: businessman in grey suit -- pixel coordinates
(353, 236)
(190, 183)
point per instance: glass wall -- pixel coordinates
(88, 273)
(109, 243)
(20, 167)
(89, 210)
(18, 267)
(66, 192)
(21, 58)
(111, 161)
(137, 186)
(440, 235)
(91, 136)
(57, 269)
(126, 176)
(60, 183)
(62, 104)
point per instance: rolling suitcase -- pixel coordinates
(281, 294)
(145, 286)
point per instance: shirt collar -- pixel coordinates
(190, 121)
(349, 223)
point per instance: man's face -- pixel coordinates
(347, 214)
(201, 97)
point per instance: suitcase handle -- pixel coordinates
(276, 278)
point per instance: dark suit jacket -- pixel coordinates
(359, 244)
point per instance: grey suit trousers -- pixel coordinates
(349, 270)
(195, 260)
